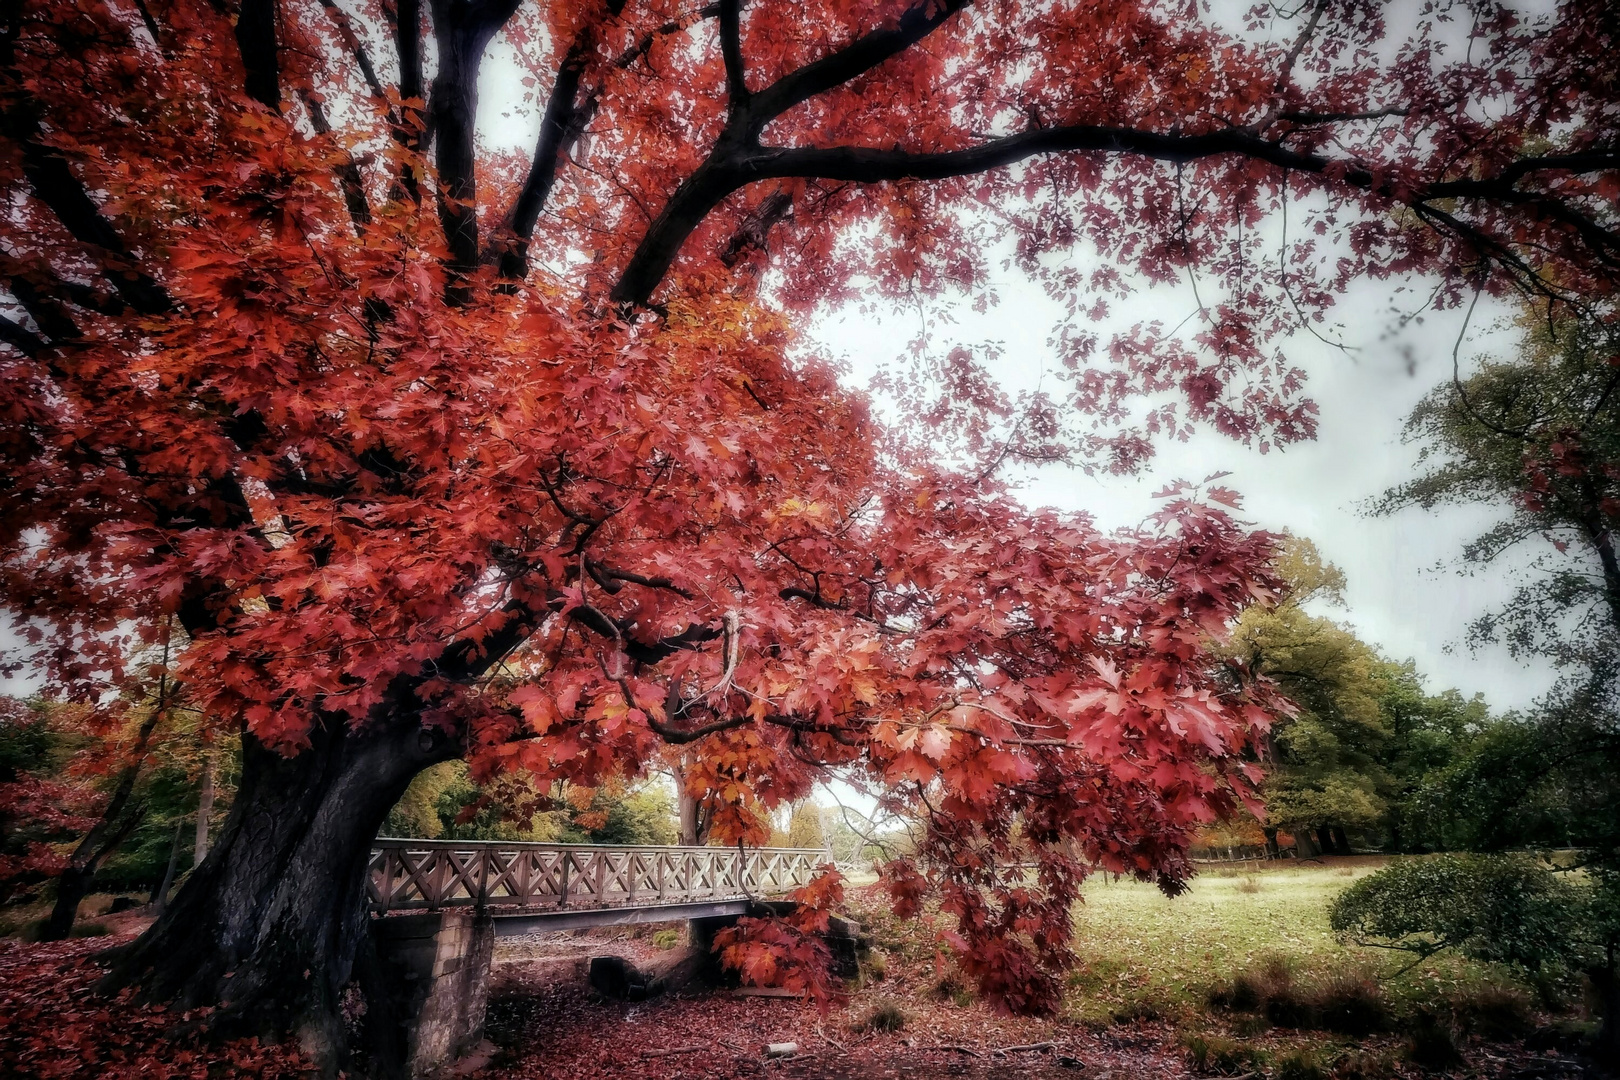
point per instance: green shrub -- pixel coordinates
(1490, 907)
(667, 939)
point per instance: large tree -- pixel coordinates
(434, 453)
(1536, 436)
(1362, 749)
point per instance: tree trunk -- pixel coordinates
(1607, 984)
(71, 887)
(267, 928)
(1272, 851)
(1341, 840)
(160, 895)
(1324, 839)
(205, 809)
(689, 817)
(694, 829)
(75, 881)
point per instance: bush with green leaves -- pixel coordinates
(1510, 909)
(1489, 907)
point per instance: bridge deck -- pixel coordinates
(565, 883)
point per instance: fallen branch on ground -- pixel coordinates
(1042, 1046)
(672, 1051)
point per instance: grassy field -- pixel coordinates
(1139, 948)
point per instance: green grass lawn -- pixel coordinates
(1139, 948)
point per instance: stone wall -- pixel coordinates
(439, 967)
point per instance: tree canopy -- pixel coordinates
(412, 452)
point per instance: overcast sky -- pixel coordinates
(1404, 593)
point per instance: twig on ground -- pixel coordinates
(968, 1050)
(1042, 1046)
(672, 1051)
(829, 1039)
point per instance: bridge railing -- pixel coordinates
(417, 874)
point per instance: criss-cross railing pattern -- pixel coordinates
(491, 873)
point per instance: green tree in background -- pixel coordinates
(1323, 776)
(807, 827)
(444, 802)
(1512, 910)
(1538, 436)
(104, 799)
(1361, 755)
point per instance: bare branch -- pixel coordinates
(357, 49)
(733, 166)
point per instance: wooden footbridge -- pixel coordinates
(530, 887)
(440, 905)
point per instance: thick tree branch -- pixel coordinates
(754, 230)
(50, 315)
(559, 128)
(858, 57)
(462, 29)
(347, 171)
(411, 131)
(20, 337)
(566, 115)
(613, 580)
(256, 39)
(733, 165)
(731, 54)
(53, 183)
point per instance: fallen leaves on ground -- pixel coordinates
(55, 1026)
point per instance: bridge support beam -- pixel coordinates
(435, 972)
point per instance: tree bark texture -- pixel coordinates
(268, 927)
